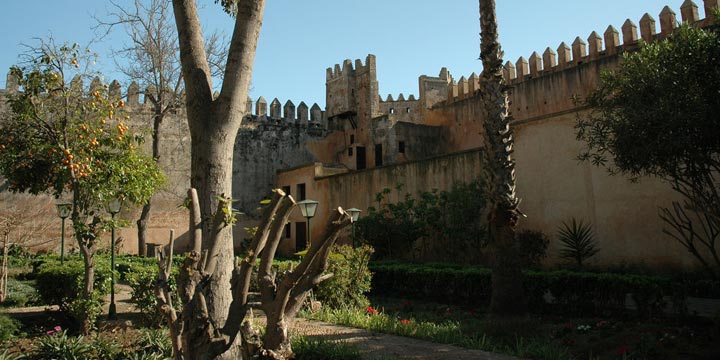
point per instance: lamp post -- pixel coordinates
(113, 208)
(354, 215)
(308, 209)
(63, 209)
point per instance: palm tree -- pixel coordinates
(507, 290)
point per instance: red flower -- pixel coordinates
(370, 310)
(404, 321)
(622, 350)
(569, 325)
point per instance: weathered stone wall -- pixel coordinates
(259, 153)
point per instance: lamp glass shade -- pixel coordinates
(63, 209)
(114, 206)
(354, 214)
(308, 208)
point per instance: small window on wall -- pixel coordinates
(301, 192)
(352, 139)
(350, 151)
(392, 110)
(407, 110)
(288, 231)
(401, 147)
(286, 189)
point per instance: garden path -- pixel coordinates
(372, 344)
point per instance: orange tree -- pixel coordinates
(72, 142)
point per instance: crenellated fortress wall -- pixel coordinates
(400, 137)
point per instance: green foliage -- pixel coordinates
(656, 115)
(60, 346)
(142, 281)
(578, 242)
(453, 216)
(319, 349)
(572, 292)
(155, 342)
(7, 355)
(21, 293)
(8, 327)
(532, 247)
(351, 277)
(62, 138)
(69, 296)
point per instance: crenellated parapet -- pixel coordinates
(287, 114)
(584, 50)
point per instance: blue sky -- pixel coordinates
(300, 39)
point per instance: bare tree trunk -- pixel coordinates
(3, 270)
(199, 337)
(507, 291)
(213, 126)
(142, 222)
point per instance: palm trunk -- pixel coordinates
(507, 291)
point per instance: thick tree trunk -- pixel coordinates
(213, 126)
(507, 291)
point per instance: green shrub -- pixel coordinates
(142, 279)
(572, 292)
(60, 346)
(62, 285)
(21, 294)
(351, 277)
(393, 229)
(8, 327)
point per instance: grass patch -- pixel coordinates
(307, 348)
(505, 339)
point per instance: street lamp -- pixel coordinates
(354, 215)
(308, 209)
(113, 208)
(63, 209)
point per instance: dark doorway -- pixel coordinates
(378, 155)
(360, 158)
(300, 236)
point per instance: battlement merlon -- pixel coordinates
(582, 51)
(348, 69)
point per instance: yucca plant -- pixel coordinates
(60, 346)
(578, 241)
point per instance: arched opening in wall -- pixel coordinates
(401, 147)
(407, 110)
(392, 110)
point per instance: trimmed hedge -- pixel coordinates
(569, 292)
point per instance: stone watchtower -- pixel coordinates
(352, 94)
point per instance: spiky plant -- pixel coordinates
(578, 241)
